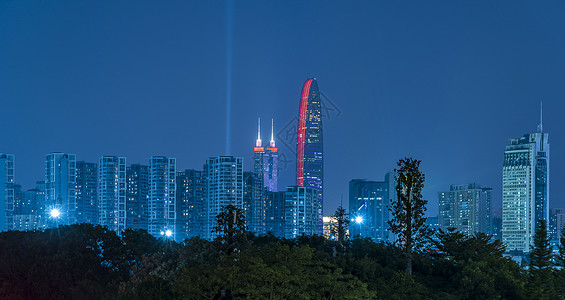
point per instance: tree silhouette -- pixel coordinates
(230, 226)
(408, 222)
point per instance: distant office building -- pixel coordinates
(60, 188)
(554, 230)
(466, 207)
(137, 197)
(112, 192)
(191, 187)
(497, 227)
(309, 148)
(525, 189)
(87, 192)
(369, 203)
(224, 179)
(6, 192)
(274, 213)
(300, 211)
(162, 196)
(265, 161)
(254, 202)
(21, 205)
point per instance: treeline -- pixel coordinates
(90, 262)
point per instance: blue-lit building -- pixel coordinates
(466, 207)
(309, 148)
(275, 213)
(254, 202)
(162, 196)
(224, 186)
(191, 188)
(87, 192)
(112, 193)
(525, 189)
(60, 188)
(265, 161)
(7, 162)
(369, 203)
(300, 211)
(137, 197)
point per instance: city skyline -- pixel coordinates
(465, 87)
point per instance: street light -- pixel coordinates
(55, 213)
(168, 233)
(359, 219)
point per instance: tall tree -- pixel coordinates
(342, 224)
(408, 222)
(230, 226)
(541, 275)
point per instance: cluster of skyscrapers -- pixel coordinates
(171, 203)
(182, 204)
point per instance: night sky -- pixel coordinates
(448, 83)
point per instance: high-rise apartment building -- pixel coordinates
(60, 188)
(300, 211)
(87, 192)
(369, 203)
(191, 188)
(525, 189)
(112, 193)
(555, 228)
(466, 207)
(162, 196)
(274, 213)
(137, 197)
(309, 148)
(6, 191)
(224, 186)
(254, 202)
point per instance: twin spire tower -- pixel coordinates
(265, 160)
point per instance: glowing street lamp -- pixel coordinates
(359, 219)
(168, 233)
(55, 213)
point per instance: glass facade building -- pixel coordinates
(300, 211)
(309, 148)
(525, 189)
(254, 202)
(60, 187)
(369, 203)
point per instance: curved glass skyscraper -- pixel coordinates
(309, 148)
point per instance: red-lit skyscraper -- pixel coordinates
(309, 148)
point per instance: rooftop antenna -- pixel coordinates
(258, 143)
(541, 117)
(272, 133)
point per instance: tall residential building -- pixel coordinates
(274, 213)
(554, 230)
(87, 192)
(60, 187)
(112, 193)
(137, 197)
(254, 202)
(162, 196)
(265, 160)
(191, 188)
(224, 186)
(300, 211)
(466, 207)
(525, 189)
(309, 148)
(369, 203)
(6, 191)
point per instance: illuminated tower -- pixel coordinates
(112, 193)
(60, 187)
(309, 148)
(6, 191)
(265, 161)
(525, 189)
(162, 196)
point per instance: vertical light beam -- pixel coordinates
(229, 38)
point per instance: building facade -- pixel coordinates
(224, 186)
(191, 188)
(137, 197)
(7, 163)
(300, 211)
(309, 148)
(60, 188)
(112, 193)
(525, 189)
(265, 160)
(254, 202)
(87, 192)
(369, 203)
(274, 213)
(162, 196)
(466, 207)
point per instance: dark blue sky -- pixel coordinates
(445, 82)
